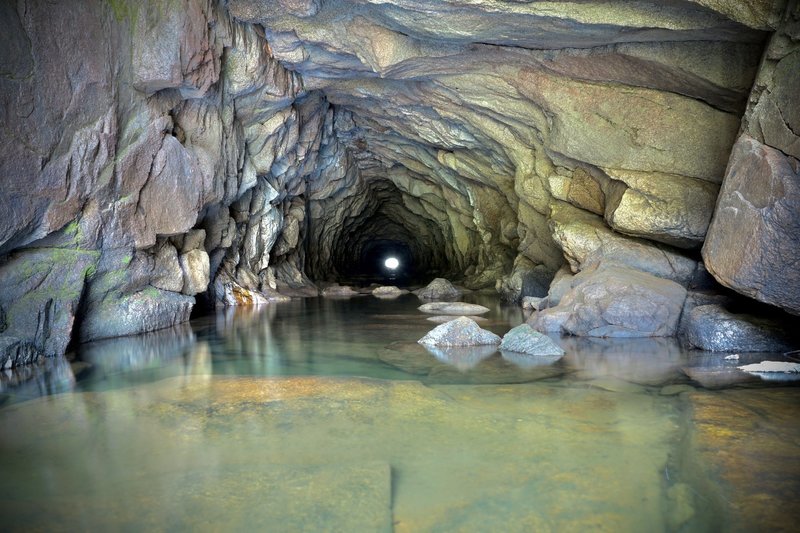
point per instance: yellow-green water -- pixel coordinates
(324, 415)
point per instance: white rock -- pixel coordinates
(771, 366)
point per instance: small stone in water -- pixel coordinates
(771, 366)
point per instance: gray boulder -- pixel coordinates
(339, 291)
(524, 339)
(550, 320)
(388, 291)
(437, 289)
(716, 329)
(753, 243)
(617, 301)
(459, 332)
(562, 282)
(453, 308)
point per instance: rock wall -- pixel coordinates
(147, 148)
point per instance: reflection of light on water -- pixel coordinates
(526, 361)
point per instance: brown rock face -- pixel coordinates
(753, 244)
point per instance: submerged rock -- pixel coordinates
(459, 332)
(453, 308)
(388, 291)
(437, 289)
(772, 366)
(716, 329)
(339, 290)
(524, 339)
(440, 319)
(461, 357)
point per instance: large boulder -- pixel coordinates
(672, 209)
(716, 329)
(617, 301)
(524, 339)
(753, 243)
(459, 332)
(438, 289)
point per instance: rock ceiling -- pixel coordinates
(485, 115)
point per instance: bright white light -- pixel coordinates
(391, 263)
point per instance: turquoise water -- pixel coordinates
(325, 414)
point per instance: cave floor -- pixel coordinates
(325, 415)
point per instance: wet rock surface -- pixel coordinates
(388, 291)
(716, 329)
(339, 290)
(453, 308)
(460, 331)
(616, 301)
(526, 340)
(438, 289)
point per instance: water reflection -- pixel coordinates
(180, 429)
(51, 375)
(644, 361)
(137, 352)
(461, 357)
(527, 361)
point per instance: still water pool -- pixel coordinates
(325, 415)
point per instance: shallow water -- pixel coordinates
(325, 414)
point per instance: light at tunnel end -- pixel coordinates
(391, 263)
